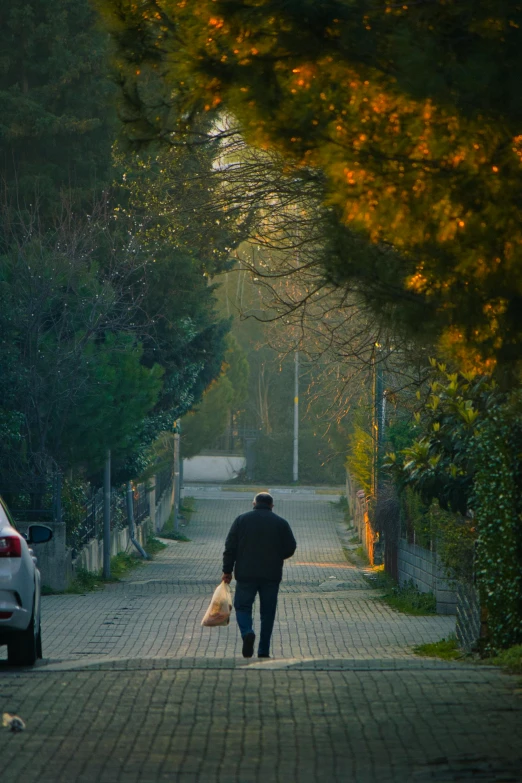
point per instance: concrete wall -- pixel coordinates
(54, 558)
(163, 509)
(212, 468)
(421, 565)
(91, 556)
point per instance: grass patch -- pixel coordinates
(446, 649)
(121, 564)
(357, 557)
(173, 536)
(168, 531)
(510, 660)
(88, 581)
(188, 507)
(344, 508)
(153, 546)
(406, 598)
(360, 552)
(46, 590)
(85, 582)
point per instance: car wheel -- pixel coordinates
(22, 649)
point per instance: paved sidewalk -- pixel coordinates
(134, 690)
(325, 610)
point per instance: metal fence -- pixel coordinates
(90, 525)
(163, 481)
(140, 498)
(39, 499)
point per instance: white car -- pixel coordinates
(20, 590)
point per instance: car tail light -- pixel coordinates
(10, 546)
(5, 615)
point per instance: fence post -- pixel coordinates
(152, 505)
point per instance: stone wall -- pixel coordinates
(421, 565)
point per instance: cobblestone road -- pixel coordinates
(133, 690)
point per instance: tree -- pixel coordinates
(73, 379)
(58, 118)
(466, 458)
(439, 462)
(109, 331)
(410, 112)
(222, 401)
(182, 249)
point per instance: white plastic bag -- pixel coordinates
(218, 613)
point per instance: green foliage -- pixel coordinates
(360, 553)
(120, 392)
(359, 461)
(273, 459)
(202, 427)
(188, 507)
(74, 496)
(451, 535)
(446, 649)
(85, 582)
(510, 660)
(408, 599)
(467, 457)
(74, 377)
(420, 156)
(153, 546)
(122, 563)
(404, 598)
(497, 504)
(182, 248)
(172, 535)
(438, 464)
(58, 118)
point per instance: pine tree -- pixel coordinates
(57, 122)
(411, 111)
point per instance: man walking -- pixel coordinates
(257, 544)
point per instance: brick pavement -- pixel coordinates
(133, 690)
(325, 607)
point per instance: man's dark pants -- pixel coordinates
(243, 602)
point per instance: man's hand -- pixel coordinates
(226, 578)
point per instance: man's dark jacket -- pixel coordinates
(257, 544)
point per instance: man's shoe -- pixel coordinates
(248, 644)
(260, 655)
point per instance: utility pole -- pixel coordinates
(296, 418)
(107, 517)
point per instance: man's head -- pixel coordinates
(263, 500)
